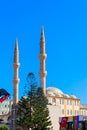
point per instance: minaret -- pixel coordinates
(42, 57)
(16, 80)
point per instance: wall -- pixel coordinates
(55, 113)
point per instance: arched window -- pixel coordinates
(54, 100)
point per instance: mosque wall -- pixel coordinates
(55, 113)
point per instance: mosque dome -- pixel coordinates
(73, 96)
(54, 91)
(66, 95)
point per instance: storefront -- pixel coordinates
(73, 123)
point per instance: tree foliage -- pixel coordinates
(32, 110)
(41, 112)
(4, 128)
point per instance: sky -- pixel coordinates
(65, 28)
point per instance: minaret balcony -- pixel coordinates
(16, 65)
(42, 74)
(16, 80)
(42, 56)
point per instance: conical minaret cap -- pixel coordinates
(42, 41)
(16, 44)
(42, 35)
(16, 52)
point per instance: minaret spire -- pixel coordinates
(42, 57)
(16, 80)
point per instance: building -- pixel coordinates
(54, 112)
(60, 104)
(5, 112)
(5, 107)
(67, 105)
(83, 109)
(70, 105)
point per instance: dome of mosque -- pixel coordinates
(66, 95)
(73, 96)
(54, 91)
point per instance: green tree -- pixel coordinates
(24, 113)
(32, 110)
(41, 112)
(25, 105)
(4, 128)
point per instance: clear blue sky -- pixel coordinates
(65, 24)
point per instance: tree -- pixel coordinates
(23, 113)
(41, 112)
(4, 128)
(25, 105)
(32, 110)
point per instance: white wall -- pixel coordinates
(55, 113)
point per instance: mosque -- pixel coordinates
(60, 104)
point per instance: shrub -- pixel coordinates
(4, 128)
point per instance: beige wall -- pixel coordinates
(58, 104)
(55, 113)
(69, 106)
(83, 110)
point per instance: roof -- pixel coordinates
(53, 91)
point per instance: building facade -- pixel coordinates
(83, 109)
(70, 105)
(5, 107)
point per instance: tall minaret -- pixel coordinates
(42, 57)
(16, 80)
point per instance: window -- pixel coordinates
(60, 101)
(67, 102)
(70, 112)
(62, 111)
(78, 103)
(67, 112)
(84, 112)
(75, 112)
(75, 102)
(70, 102)
(54, 100)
